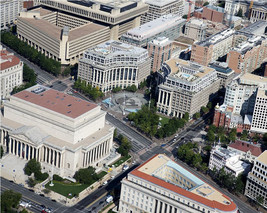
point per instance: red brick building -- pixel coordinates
(213, 13)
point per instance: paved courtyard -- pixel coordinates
(12, 168)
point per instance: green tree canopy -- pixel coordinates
(9, 200)
(32, 167)
(86, 176)
(125, 146)
(240, 13)
(186, 116)
(196, 115)
(210, 136)
(206, 3)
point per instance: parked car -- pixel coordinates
(105, 183)
(125, 167)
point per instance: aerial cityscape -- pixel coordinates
(133, 106)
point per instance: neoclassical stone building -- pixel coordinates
(55, 129)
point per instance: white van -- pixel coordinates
(109, 199)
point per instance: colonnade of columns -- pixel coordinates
(28, 152)
(164, 207)
(164, 97)
(51, 156)
(258, 15)
(96, 153)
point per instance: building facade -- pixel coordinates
(119, 16)
(248, 53)
(188, 86)
(259, 117)
(114, 64)
(222, 158)
(195, 29)
(160, 50)
(210, 49)
(248, 151)
(168, 26)
(156, 9)
(161, 185)
(56, 129)
(11, 73)
(9, 12)
(256, 185)
(213, 13)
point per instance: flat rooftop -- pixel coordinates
(263, 157)
(248, 77)
(256, 28)
(55, 31)
(55, 101)
(160, 3)
(154, 27)
(176, 63)
(262, 92)
(200, 192)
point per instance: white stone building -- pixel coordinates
(241, 93)
(9, 12)
(11, 73)
(228, 160)
(159, 8)
(259, 118)
(114, 64)
(188, 86)
(161, 185)
(55, 129)
(256, 185)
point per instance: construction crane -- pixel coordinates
(189, 10)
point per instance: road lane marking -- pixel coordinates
(96, 200)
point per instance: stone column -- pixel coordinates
(17, 148)
(90, 156)
(2, 137)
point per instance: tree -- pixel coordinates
(240, 13)
(189, 156)
(132, 88)
(197, 160)
(244, 135)
(86, 176)
(206, 3)
(260, 200)
(125, 146)
(38, 175)
(209, 105)
(212, 128)
(204, 110)
(32, 167)
(196, 115)
(31, 182)
(116, 89)
(232, 135)
(24, 211)
(57, 177)
(9, 200)
(186, 116)
(115, 134)
(210, 136)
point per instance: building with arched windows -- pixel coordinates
(56, 129)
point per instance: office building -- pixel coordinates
(248, 53)
(222, 158)
(256, 185)
(257, 28)
(224, 73)
(11, 72)
(114, 64)
(58, 130)
(9, 12)
(213, 13)
(160, 50)
(168, 26)
(159, 8)
(259, 118)
(195, 29)
(59, 36)
(248, 151)
(119, 16)
(210, 49)
(161, 185)
(241, 93)
(187, 87)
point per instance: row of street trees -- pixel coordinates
(47, 64)
(10, 201)
(125, 144)
(87, 89)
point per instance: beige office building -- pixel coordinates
(161, 185)
(256, 185)
(119, 16)
(196, 29)
(56, 129)
(188, 86)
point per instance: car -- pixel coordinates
(112, 177)
(43, 211)
(125, 167)
(54, 200)
(48, 210)
(75, 91)
(101, 202)
(105, 183)
(42, 195)
(94, 208)
(42, 207)
(31, 190)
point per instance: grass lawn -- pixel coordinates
(121, 161)
(66, 188)
(102, 174)
(164, 120)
